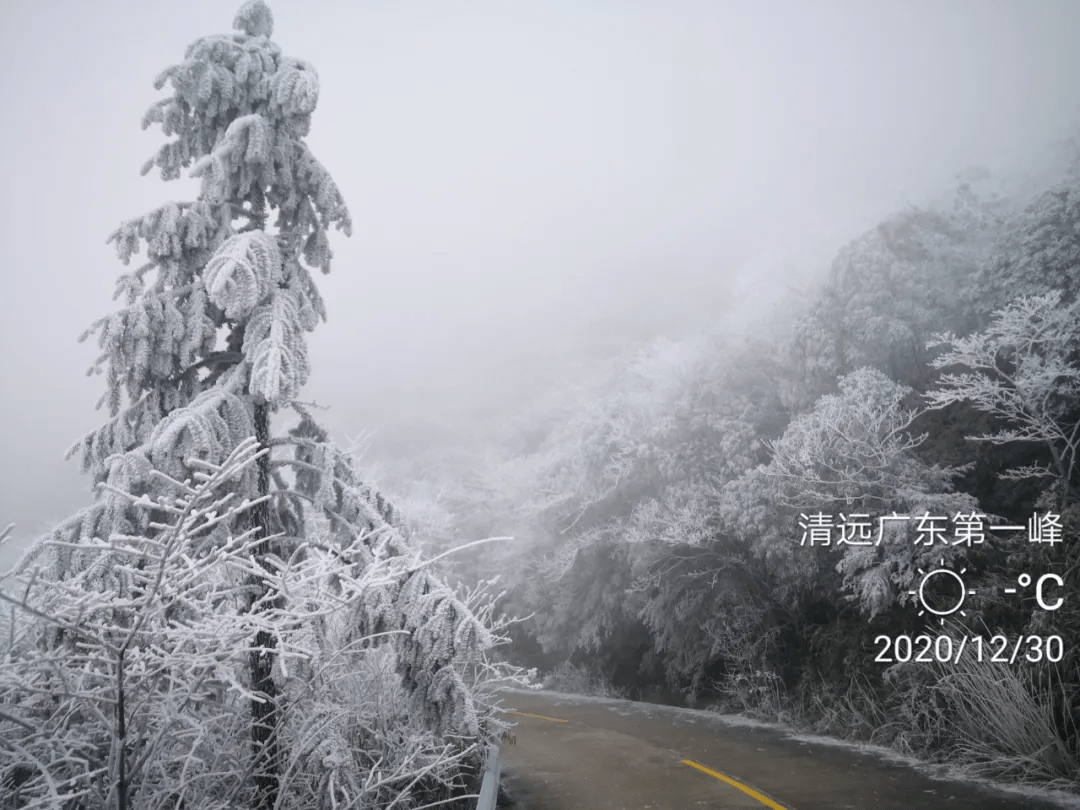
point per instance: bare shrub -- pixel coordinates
(854, 713)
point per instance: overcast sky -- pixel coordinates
(532, 183)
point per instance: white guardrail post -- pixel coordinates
(489, 788)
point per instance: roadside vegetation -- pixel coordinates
(663, 520)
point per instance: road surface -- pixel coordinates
(579, 753)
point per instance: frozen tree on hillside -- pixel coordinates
(1024, 370)
(208, 345)
(854, 453)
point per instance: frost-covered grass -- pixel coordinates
(985, 719)
(575, 678)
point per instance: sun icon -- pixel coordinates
(926, 576)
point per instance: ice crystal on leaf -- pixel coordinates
(243, 271)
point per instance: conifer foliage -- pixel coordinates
(199, 635)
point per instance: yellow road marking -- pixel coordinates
(541, 717)
(749, 791)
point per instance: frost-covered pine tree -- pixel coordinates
(287, 548)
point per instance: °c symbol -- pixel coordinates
(1039, 596)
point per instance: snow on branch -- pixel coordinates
(1025, 370)
(275, 349)
(242, 273)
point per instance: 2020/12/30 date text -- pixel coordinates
(946, 649)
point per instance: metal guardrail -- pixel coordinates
(489, 787)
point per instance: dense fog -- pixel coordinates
(533, 188)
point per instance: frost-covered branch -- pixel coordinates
(1025, 370)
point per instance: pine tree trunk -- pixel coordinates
(264, 715)
(121, 737)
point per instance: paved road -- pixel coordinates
(621, 755)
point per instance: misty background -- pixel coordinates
(533, 186)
